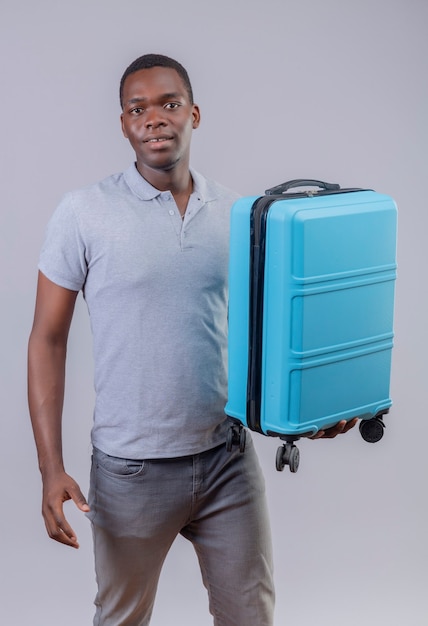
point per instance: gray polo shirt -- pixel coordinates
(156, 290)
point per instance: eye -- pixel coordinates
(136, 111)
(172, 105)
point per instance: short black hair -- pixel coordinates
(147, 61)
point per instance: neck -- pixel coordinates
(177, 180)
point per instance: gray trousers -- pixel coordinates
(214, 499)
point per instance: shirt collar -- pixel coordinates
(144, 190)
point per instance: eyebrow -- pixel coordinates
(164, 96)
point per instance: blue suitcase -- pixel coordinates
(311, 298)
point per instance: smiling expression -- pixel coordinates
(158, 119)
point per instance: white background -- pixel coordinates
(335, 90)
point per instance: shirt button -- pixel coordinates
(171, 212)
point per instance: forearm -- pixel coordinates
(46, 380)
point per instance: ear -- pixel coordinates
(123, 126)
(196, 114)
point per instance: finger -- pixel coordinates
(330, 433)
(318, 435)
(60, 530)
(350, 424)
(338, 429)
(79, 500)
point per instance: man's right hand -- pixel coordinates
(57, 490)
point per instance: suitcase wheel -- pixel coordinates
(372, 430)
(242, 439)
(229, 439)
(236, 435)
(288, 454)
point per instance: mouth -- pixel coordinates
(155, 140)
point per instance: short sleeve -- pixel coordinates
(62, 258)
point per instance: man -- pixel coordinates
(149, 250)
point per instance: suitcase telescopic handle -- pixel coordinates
(301, 182)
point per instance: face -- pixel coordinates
(158, 119)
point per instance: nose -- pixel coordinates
(154, 118)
